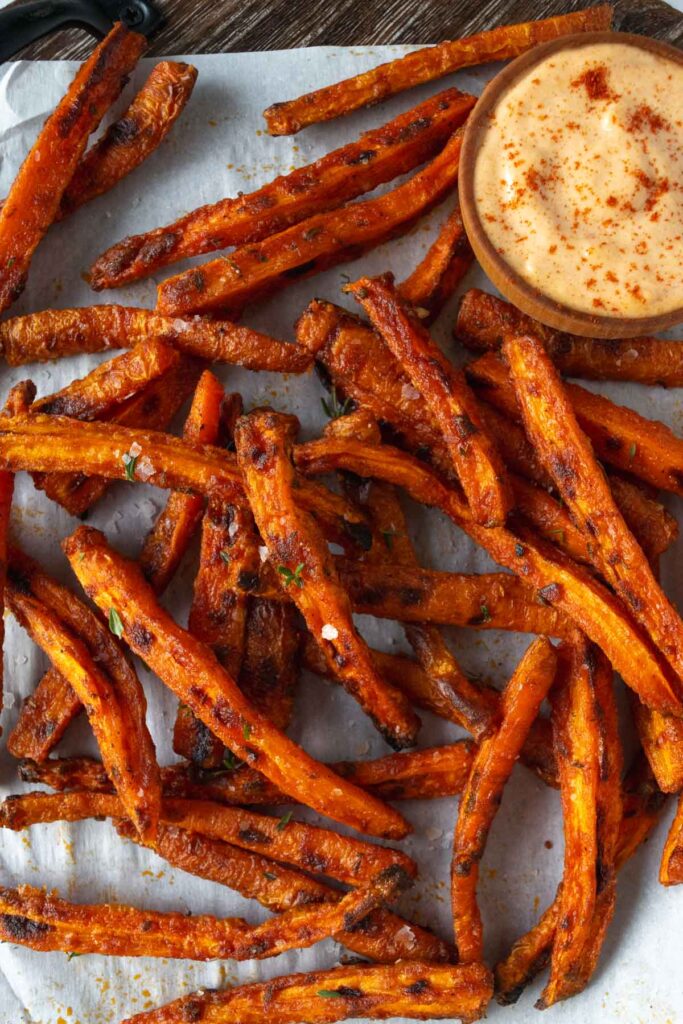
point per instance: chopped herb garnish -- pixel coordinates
(485, 613)
(388, 536)
(70, 956)
(330, 993)
(10, 262)
(284, 821)
(270, 876)
(632, 452)
(557, 533)
(130, 462)
(333, 409)
(115, 624)
(292, 577)
(225, 557)
(230, 762)
(246, 730)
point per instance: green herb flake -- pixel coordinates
(284, 821)
(333, 408)
(559, 534)
(115, 624)
(270, 876)
(130, 462)
(70, 956)
(485, 613)
(246, 730)
(330, 993)
(10, 262)
(633, 448)
(388, 536)
(225, 557)
(292, 577)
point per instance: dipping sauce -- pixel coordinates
(578, 179)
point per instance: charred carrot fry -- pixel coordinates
(643, 448)
(381, 936)
(36, 193)
(169, 538)
(577, 749)
(662, 739)
(377, 156)
(316, 244)
(52, 333)
(425, 65)
(491, 769)
(126, 747)
(33, 918)
(298, 549)
(567, 454)
(6, 492)
(152, 409)
(474, 457)
(191, 670)
(416, 991)
(483, 321)
(306, 846)
(45, 716)
(439, 273)
(559, 581)
(134, 136)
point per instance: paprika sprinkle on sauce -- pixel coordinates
(579, 179)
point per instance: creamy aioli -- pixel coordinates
(578, 179)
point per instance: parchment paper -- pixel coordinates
(218, 148)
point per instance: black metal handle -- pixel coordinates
(25, 23)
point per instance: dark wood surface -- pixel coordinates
(217, 26)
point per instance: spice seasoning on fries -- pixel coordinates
(504, 448)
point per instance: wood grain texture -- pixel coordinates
(200, 26)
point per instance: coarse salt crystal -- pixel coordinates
(329, 632)
(409, 392)
(233, 528)
(134, 449)
(263, 552)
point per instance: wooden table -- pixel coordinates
(216, 26)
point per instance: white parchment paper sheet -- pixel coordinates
(218, 148)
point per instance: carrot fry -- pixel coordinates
(52, 333)
(662, 740)
(133, 137)
(169, 538)
(376, 157)
(491, 769)
(36, 193)
(298, 549)
(57, 443)
(381, 936)
(110, 384)
(484, 320)
(42, 921)
(45, 716)
(474, 457)
(439, 273)
(126, 747)
(567, 454)
(270, 668)
(620, 437)
(6, 492)
(416, 991)
(559, 581)
(318, 243)
(576, 728)
(425, 65)
(192, 672)
(306, 846)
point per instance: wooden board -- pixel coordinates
(200, 26)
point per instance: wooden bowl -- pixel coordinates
(511, 284)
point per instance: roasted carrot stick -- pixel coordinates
(424, 66)
(491, 769)
(61, 332)
(415, 991)
(298, 550)
(568, 456)
(563, 583)
(169, 538)
(473, 455)
(434, 280)
(620, 436)
(45, 716)
(316, 244)
(377, 156)
(6, 492)
(36, 193)
(126, 747)
(132, 137)
(191, 670)
(484, 320)
(44, 922)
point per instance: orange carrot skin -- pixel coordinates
(36, 193)
(425, 65)
(134, 136)
(253, 271)
(377, 156)
(481, 797)
(170, 537)
(193, 672)
(436, 277)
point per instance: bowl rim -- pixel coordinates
(513, 286)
